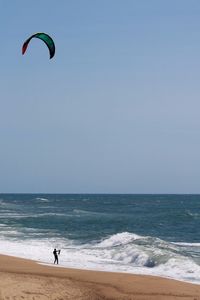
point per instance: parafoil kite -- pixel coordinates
(45, 38)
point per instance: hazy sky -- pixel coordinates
(117, 110)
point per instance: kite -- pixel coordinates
(45, 38)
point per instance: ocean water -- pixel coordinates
(140, 234)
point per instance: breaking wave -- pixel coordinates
(121, 252)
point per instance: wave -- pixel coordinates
(150, 255)
(121, 252)
(187, 244)
(42, 199)
(80, 212)
(4, 204)
(38, 215)
(13, 215)
(119, 239)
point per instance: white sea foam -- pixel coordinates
(87, 212)
(122, 252)
(48, 214)
(187, 244)
(27, 215)
(2, 202)
(119, 239)
(42, 199)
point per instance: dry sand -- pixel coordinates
(24, 279)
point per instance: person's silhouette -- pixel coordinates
(56, 255)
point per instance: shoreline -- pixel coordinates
(27, 279)
(115, 272)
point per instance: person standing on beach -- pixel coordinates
(55, 253)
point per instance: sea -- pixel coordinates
(140, 234)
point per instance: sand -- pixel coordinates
(25, 279)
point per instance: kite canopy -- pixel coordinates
(45, 38)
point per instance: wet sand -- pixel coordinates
(25, 279)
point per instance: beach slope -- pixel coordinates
(25, 279)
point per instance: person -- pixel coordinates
(56, 255)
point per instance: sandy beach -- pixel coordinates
(25, 279)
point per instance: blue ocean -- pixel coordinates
(140, 234)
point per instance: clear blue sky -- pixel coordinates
(118, 108)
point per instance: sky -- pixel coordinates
(117, 110)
